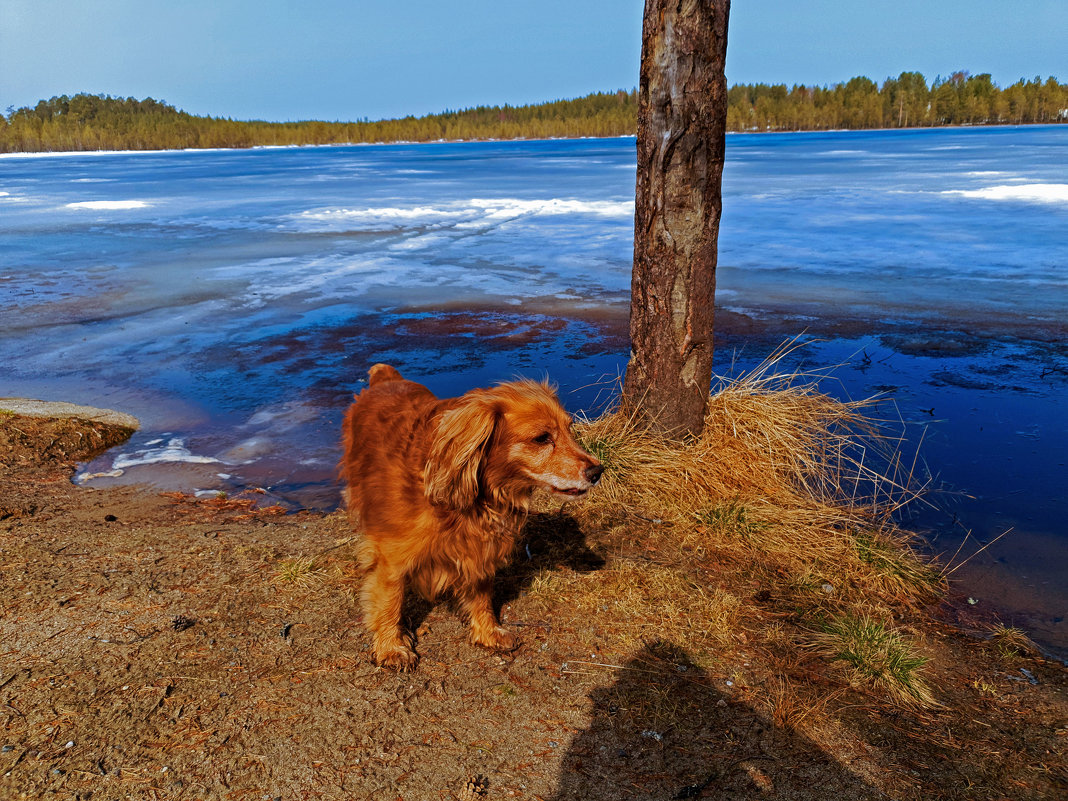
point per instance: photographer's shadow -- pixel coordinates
(661, 730)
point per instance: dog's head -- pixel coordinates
(502, 443)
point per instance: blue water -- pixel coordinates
(233, 300)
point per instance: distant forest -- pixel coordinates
(101, 122)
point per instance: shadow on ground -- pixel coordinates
(661, 730)
(551, 541)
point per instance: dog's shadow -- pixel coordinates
(549, 541)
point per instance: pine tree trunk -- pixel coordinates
(682, 120)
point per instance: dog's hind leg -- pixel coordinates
(476, 603)
(382, 597)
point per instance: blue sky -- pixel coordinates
(349, 59)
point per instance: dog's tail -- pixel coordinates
(381, 373)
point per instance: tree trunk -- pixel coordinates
(682, 121)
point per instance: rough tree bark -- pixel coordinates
(682, 121)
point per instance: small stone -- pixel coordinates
(828, 588)
(7, 748)
(70, 744)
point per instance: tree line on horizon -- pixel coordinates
(101, 122)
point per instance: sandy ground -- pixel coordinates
(161, 647)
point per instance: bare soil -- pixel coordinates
(167, 647)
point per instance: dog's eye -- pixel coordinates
(543, 439)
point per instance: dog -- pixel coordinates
(441, 489)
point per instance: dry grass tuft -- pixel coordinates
(1011, 643)
(766, 435)
(780, 469)
(789, 706)
(301, 572)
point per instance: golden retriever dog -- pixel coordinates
(441, 488)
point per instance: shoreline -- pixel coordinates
(68, 153)
(183, 470)
(969, 395)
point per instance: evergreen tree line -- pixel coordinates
(101, 122)
(903, 102)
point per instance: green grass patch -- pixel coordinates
(879, 656)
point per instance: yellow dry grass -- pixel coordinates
(638, 602)
(781, 469)
(766, 435)
(789, 705)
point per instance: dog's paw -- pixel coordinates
(397, 657)
(498, 639)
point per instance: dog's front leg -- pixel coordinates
(476, 602)
(383, 597)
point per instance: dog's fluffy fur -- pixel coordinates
(441, 489)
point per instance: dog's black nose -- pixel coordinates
(593, 473)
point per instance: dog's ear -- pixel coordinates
(450, 477)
